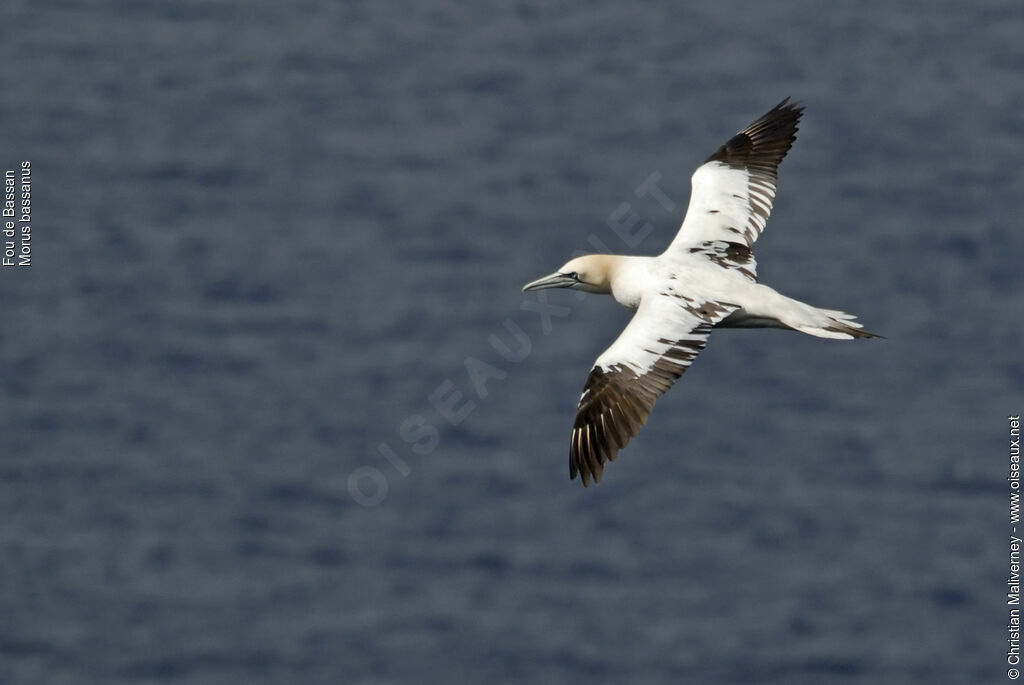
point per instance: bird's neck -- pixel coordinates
(603, 269)
(628, 278)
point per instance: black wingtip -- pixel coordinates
(786, 104)
(765, 142)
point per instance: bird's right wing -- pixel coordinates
(661, 341)
(733, 190)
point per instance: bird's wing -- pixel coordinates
(661, 341)
(733, 190)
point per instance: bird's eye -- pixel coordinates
(573, 275)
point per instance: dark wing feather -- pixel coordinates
(659, 344)
(734, 188)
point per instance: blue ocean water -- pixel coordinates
(268, 237)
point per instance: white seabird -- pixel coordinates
(705, 279)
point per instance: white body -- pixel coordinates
(707, 278)
(759, 306)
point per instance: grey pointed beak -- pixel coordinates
(553, 281)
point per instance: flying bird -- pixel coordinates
(707, 278)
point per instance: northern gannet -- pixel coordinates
(705, 279)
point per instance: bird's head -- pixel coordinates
(590, 273)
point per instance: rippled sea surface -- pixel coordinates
(272, 239)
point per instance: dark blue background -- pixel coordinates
(266, 232)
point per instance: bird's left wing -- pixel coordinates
(661, 341)
(733, 190)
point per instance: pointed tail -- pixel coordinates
(832, 323)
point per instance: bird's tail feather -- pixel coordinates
(831, 323)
